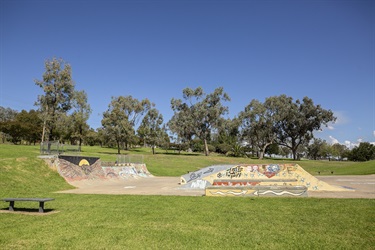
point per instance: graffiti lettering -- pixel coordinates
(234, 172)
(210, 170)
(194, 176)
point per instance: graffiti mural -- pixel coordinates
(202, 173)
(80, 171)
(132, 171)
(75, 168)
(234, 172)
(255, 180)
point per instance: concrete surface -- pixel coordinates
(361, 186)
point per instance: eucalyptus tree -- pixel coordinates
(339, 151)
(258, 125)
(122, 115)
(58, 87)
(201, 112)
(226, 136)
(296, 121)
(151, 129)
(6, 115)
(317, 149)
(81, 114)
(181, 124)
(228, 131)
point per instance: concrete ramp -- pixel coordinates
(196, 179)
(256, 179)
(77, 168)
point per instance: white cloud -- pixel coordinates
(373, 132)
(333, 140)
(350, 144)
(341, 117)
(330, 127)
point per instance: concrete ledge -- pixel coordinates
(258, 190)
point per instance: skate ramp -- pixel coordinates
(257, 179)
(78, 168)
(196, 179)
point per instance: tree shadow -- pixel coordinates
(176, 153)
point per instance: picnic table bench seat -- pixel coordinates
(40, 200)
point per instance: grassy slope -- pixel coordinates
(160, 222)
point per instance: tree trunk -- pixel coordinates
(80, 136)
(118, 147)
(206, 147)
(294, 152)
(262, 152)
(44, 130)
(153, 150)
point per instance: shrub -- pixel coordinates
(223, 148)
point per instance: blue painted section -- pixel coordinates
(194, 179)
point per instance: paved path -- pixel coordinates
(359, 186)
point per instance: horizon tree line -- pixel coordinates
(198, 121)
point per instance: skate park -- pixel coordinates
(91, 176)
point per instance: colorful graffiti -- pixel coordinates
(73, 172)
(202, 173)
(132, 171)
(85, 168)
(256, 180)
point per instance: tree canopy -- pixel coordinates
(121, 117)
(200, 113)
(58, 87)
(278, 125)
(282, 121)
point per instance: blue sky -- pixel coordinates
(323, 49)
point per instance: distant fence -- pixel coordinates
(57, 148)
(126, 159)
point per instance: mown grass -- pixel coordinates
(167, 222)
(171, 222)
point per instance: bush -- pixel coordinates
(223, 148)
(364, 152)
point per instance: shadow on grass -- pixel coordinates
(108, 153)
(33, 211)
(176, 153)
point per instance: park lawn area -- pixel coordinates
(174, 222)
(76, 221)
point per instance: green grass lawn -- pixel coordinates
(172, 222)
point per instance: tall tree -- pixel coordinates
(228, 131)
(121, 117)
(58, 88)
(205, 111)
(296, 121)
(181, 124)
(80, 116)
(339, 150)
(151, 130)
(258, 125)
(317, 149)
